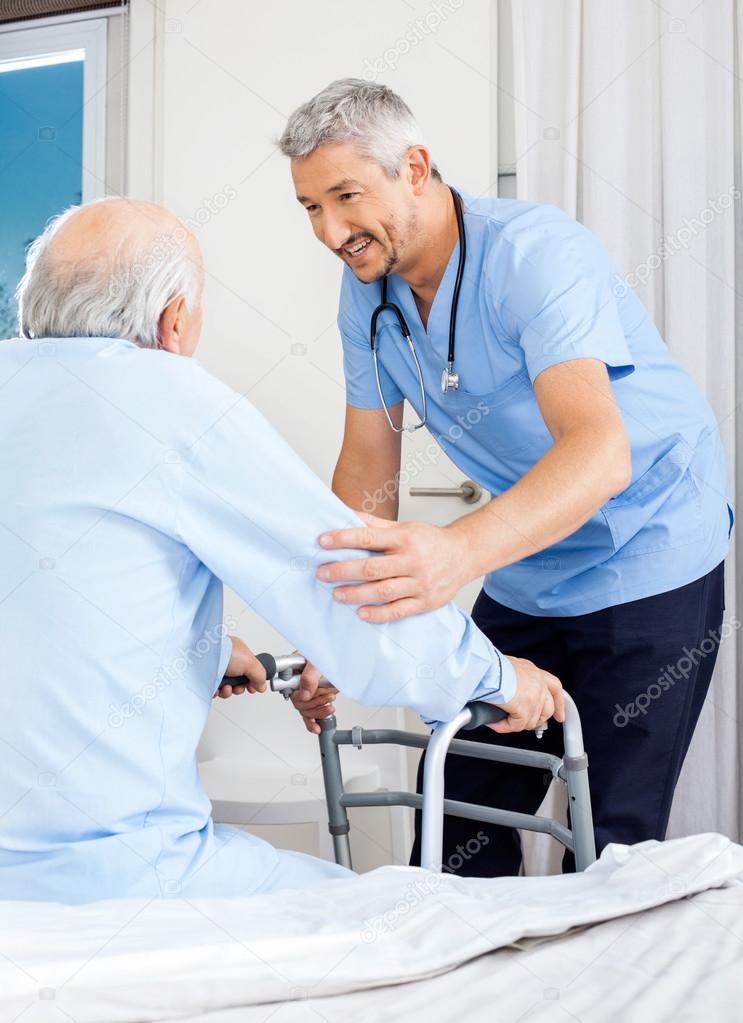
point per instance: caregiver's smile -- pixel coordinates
(356, 249)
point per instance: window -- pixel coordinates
(52, 126)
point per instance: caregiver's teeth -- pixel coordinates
(358, 248)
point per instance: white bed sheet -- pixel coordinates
(299, 955)
(681, 962)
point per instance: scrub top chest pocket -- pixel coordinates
(507, 418)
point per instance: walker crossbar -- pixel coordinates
(283, 675)
(470, 811)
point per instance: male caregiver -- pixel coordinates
(507, 329)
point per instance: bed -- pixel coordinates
(649, 932)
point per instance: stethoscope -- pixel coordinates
(449, 379)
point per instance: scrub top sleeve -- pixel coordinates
(561, 301)
(251, 511)
(358, 362)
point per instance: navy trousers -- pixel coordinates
(639, 673)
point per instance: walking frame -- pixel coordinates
(283, 674)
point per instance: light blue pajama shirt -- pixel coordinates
(133, 484)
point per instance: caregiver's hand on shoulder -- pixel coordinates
(243, 664)
(539, 696)
(313, 703)
(420, 567)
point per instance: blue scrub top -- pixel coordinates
(132, 485)
(539, 289)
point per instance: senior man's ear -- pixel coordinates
(172, 326)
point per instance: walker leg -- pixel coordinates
(338, 825)
(579, 809)
(432, 807)
(575, 763)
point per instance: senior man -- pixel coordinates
(506, 328)
(133, 485)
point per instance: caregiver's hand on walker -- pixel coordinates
(538, 698)
(312, 703)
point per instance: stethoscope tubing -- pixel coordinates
(450, 380)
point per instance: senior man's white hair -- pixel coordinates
(128, 263)
(371, 116)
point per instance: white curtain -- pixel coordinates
(628, 117)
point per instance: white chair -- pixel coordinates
(245, 792)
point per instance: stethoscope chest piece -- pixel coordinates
(449, 380)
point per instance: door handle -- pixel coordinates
(468, 491)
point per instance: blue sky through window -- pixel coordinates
(41, 144)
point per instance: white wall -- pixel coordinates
(210, 87)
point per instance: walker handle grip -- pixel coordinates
(269, 663)
(483, 714)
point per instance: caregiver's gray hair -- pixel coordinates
(118, 291)
(371, 116)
